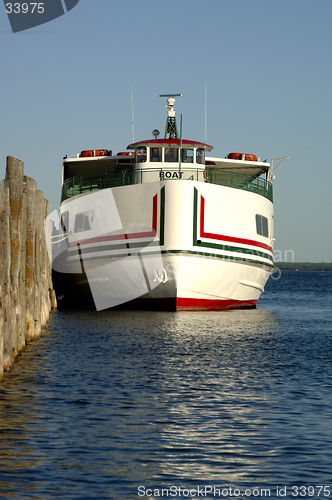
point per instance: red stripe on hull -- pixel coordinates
(185, 304)
(116, 237)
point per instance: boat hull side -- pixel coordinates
(212, 256)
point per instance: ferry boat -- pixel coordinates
(165, 225)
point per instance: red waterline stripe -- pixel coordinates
(221, 237)
(185, 304)
(124, 236)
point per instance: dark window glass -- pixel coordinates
(262, 225)
(171, 155)
(64, 223)
(187, 156)
(83, 222)
(155, 154)
(200, 157)
(141, 154)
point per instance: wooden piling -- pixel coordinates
(5, 321)
(26, 289)
(14, 176)
(30, 189)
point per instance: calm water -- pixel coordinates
(137, 404)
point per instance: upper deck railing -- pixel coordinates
(92, 182)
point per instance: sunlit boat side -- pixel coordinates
(211, 218)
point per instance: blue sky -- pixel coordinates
(66, 86)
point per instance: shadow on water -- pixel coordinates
(105, 402)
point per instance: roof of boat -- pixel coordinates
(175, 142)
(254, 168)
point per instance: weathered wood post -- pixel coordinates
(49, 233)
(5, 327)
(49, 296)
(14, 176)
(45, 303)
(39, 236)
(30, 189)
(21, 338)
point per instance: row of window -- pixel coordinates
(84, 221)
(172, 155)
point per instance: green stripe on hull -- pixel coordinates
(227, 248)
(218, 256)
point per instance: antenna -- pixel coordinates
(132, 113)
(171, 121)
(205, 111)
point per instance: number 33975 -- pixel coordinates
(25, 8)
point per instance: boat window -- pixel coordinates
(171, 155)
(262, 225)
(64, 223)
(83, 221)
(200, 158)
(187, 156)
(141, 154)
(155, 154)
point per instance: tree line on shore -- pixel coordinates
(304, 266)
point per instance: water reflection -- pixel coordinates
(105, 402)
(211, 425)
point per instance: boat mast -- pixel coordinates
(171, 121)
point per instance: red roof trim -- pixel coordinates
(169, 141)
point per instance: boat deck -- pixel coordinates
(102, 180)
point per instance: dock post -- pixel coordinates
(14, 176)
(39, 235)
(5, 328)
(30, 189)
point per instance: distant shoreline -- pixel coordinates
(304, 266)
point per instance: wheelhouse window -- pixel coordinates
(83, 221)
(187, 156)
(200, 157)
(141, 154)
(262, 225)
(155, 154)
(171, 155)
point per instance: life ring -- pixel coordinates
(242, 156)
(206, 176)
(88, 153)
(126, 153)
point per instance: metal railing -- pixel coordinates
(102, 180)
(245, 182)
(93, 182)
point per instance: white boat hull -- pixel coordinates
(207, 283)
(204, 235)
